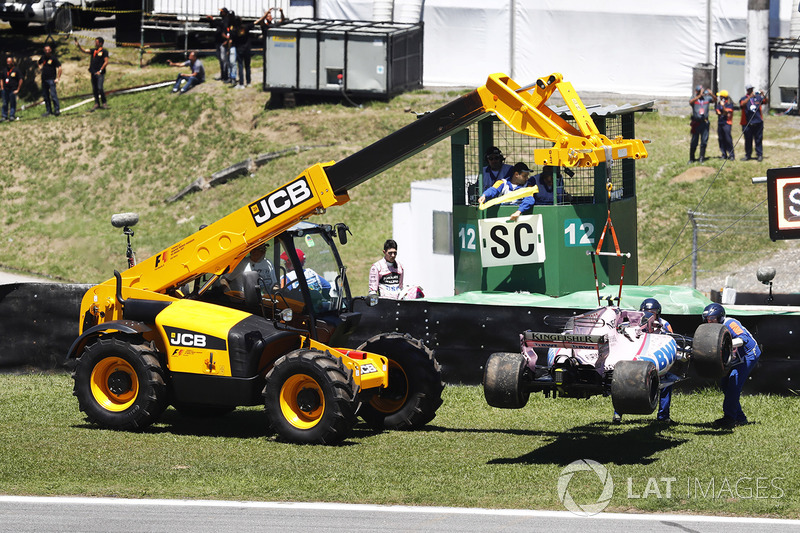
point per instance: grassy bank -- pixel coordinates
(471, 455)
(63, 178)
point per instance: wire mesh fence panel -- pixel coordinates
(725, 240)
(578, 183)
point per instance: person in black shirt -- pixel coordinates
(240, 37)
(51, 74)
(10, 84)
(97, 67)
(221, 40)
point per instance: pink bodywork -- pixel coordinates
(629, 339)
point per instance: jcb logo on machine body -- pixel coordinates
(279, 201)
(193, 339)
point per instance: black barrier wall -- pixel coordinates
(39, 322)
(462, 336)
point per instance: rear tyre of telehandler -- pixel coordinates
(310, 398)
(415, 384)
(119, 383)
(502, 380)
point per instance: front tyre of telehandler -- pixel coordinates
(311, 398)
(415, 384)
(119, 383)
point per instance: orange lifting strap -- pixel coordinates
(616, 252)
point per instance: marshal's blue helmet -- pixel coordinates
(714, 311)
(651, 305)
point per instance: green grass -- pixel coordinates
(470, 455)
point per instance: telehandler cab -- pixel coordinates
(177, 329)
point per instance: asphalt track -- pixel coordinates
(8, 277)
(20, 514)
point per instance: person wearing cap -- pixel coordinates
(724, 110)
(733, 382)
(386, 274)
(496, 168)
(255, 262)
(700, 103)
(546, 193)
(314, 281)
(752, 122)
(520, 174)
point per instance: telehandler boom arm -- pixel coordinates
(219, 246)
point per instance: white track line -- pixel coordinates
(368, 508)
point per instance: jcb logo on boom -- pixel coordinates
(280, 201)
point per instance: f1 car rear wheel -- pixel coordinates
(310, 398)
(634, 387)
(120, 384)
(502, 381)
(711, 350)
(415, 384)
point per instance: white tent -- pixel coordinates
(623, 46)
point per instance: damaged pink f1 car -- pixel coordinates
(608, 351)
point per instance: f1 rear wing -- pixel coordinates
(572, 341)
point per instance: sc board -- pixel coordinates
(783, 198)
(506, 243)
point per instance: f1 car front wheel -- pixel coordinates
(634, 387)
(711, 350)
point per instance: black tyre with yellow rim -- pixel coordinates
(415, 384)
(119, 383)
(310, 398)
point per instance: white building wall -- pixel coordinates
(624, 46)
(412, 225)
(194, 9)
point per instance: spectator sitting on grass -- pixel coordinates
(197, 76)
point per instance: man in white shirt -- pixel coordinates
(257, 262)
